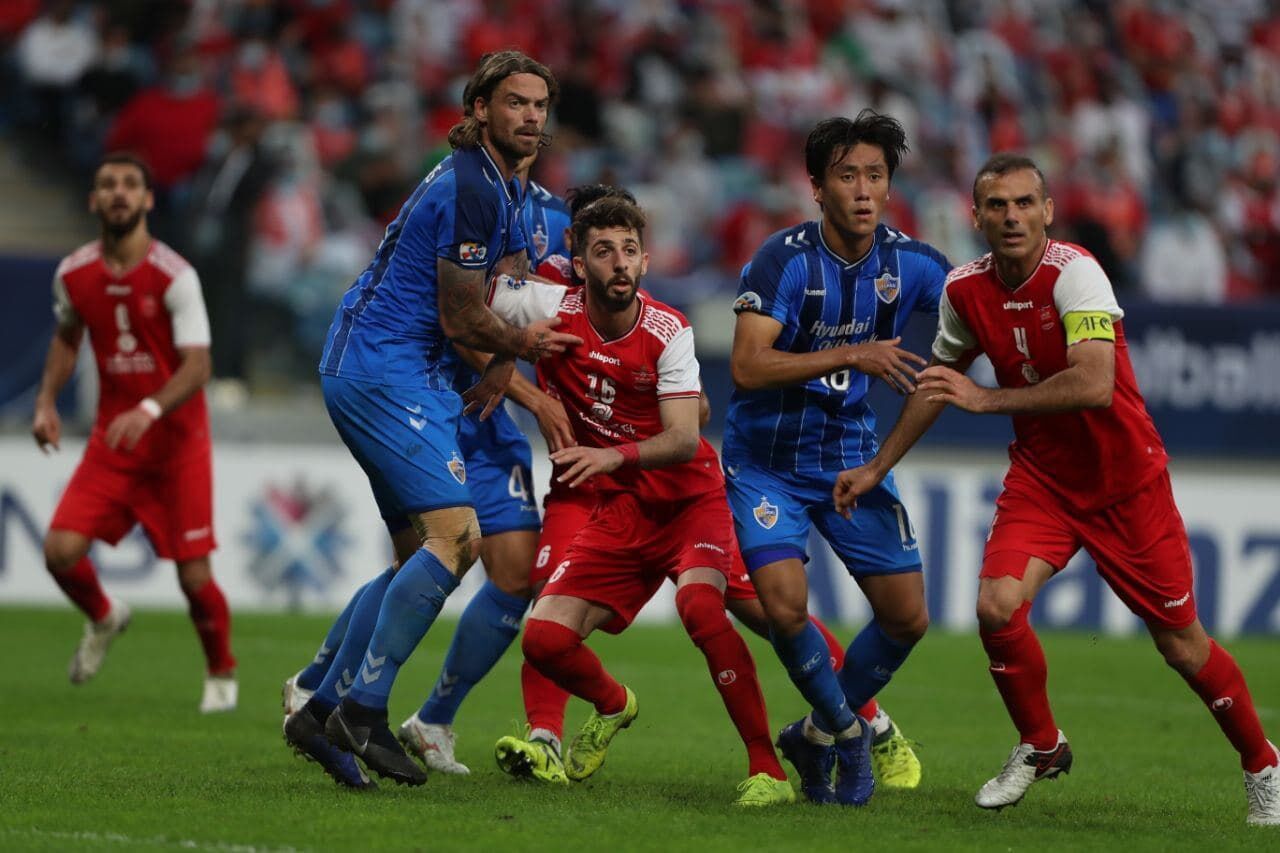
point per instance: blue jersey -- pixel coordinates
(823, 301)
(387, 328)
(545, 219)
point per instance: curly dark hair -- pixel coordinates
(610, 211)
(581, 196)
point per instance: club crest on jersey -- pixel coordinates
(540, 241)
(645, 379)
(887, 288)
(766, 514)
(749, 301)
(1046, 318)
(458, 468)
(472, 251)
(149, 306)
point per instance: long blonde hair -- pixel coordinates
(492, 70)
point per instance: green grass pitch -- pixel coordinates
(126, 763)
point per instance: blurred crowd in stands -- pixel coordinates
(285, 134)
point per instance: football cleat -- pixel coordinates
(305, 734)
(1026, 765)
(364, 731)
(587, 752)
(433, 743)
(813, 761)
(854, 781)
(1263, 792)
(763, 790)
(895, 761)
(220, 694)
(97, 638)
(530, 759)
(292, 696)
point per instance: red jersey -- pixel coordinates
(611, 388)
(136, 321)
(1093, 457)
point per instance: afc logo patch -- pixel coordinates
(749, 301)
(888, 287)
(472, 251)
(458, 469)
(766, 514)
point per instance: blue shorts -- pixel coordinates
(772, 512)
(406, 440)
(499, 473)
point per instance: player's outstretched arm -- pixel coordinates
(467, 320)
(59, 364)
(678, 442)
(1087, 383)
(917, 416)
(193, 372)
(755, 363)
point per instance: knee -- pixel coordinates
(908, 629)
(452, 536)
(787, 618)
(61, 552)
(995, 612)
(545, 641)
(701, 610)
(192, 578)
(1184, 655)
(511, 583)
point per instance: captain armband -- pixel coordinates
(1089, 326)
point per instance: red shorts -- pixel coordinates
(627, 548)
(564, 516)
(1139, 544)
(174, 505)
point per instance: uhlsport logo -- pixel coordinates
(296, 538)
(458, 468)
(766, 514)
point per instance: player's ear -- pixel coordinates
(977, 223)
(816, 186)
(480, 109)
(1048, 212)
(579, 267)
(149, 202)
(644, 263)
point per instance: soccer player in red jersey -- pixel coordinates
(148, 457)
(657, 504)
(1088, 470)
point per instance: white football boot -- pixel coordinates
(433, 743)
(97, 638)
(293, 697)
(1263, 792)
(1026, 765)
(220, 694)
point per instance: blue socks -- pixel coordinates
(870, 661)
(310, 678)
(488, 625)
(808, 662)
(346, 661)
(410, 606)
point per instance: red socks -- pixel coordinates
(1220, 685)
(212, 618)
(558, 653)
(1021, 675)
(544, 701)
(81, 585)
(701, 609)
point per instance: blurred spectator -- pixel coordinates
(52, 53)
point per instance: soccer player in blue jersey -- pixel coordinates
(397, 413)
(499, 474)
(820, 312)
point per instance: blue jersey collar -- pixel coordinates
(846, 265)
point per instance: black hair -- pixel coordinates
(126, 158)
(581, 196)
(831, 139)
(610, 211)
(1004, 163)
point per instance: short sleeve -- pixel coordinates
(465, 226)
(185, 303)
(520, 302)
(1083, 286)
(933, 269)
(678, 369)
(768, 285)
(63, 311)
(954, 339)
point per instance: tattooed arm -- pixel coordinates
(467, 320)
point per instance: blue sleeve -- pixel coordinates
(466, 226)
(518, 241)
(931, 268)
(769, 285)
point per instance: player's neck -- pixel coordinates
(126, 251)
(612, 325)
(1014, 272)
(850, 248)
(507, 168)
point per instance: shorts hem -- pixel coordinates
(895, 570)
(766, 554)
